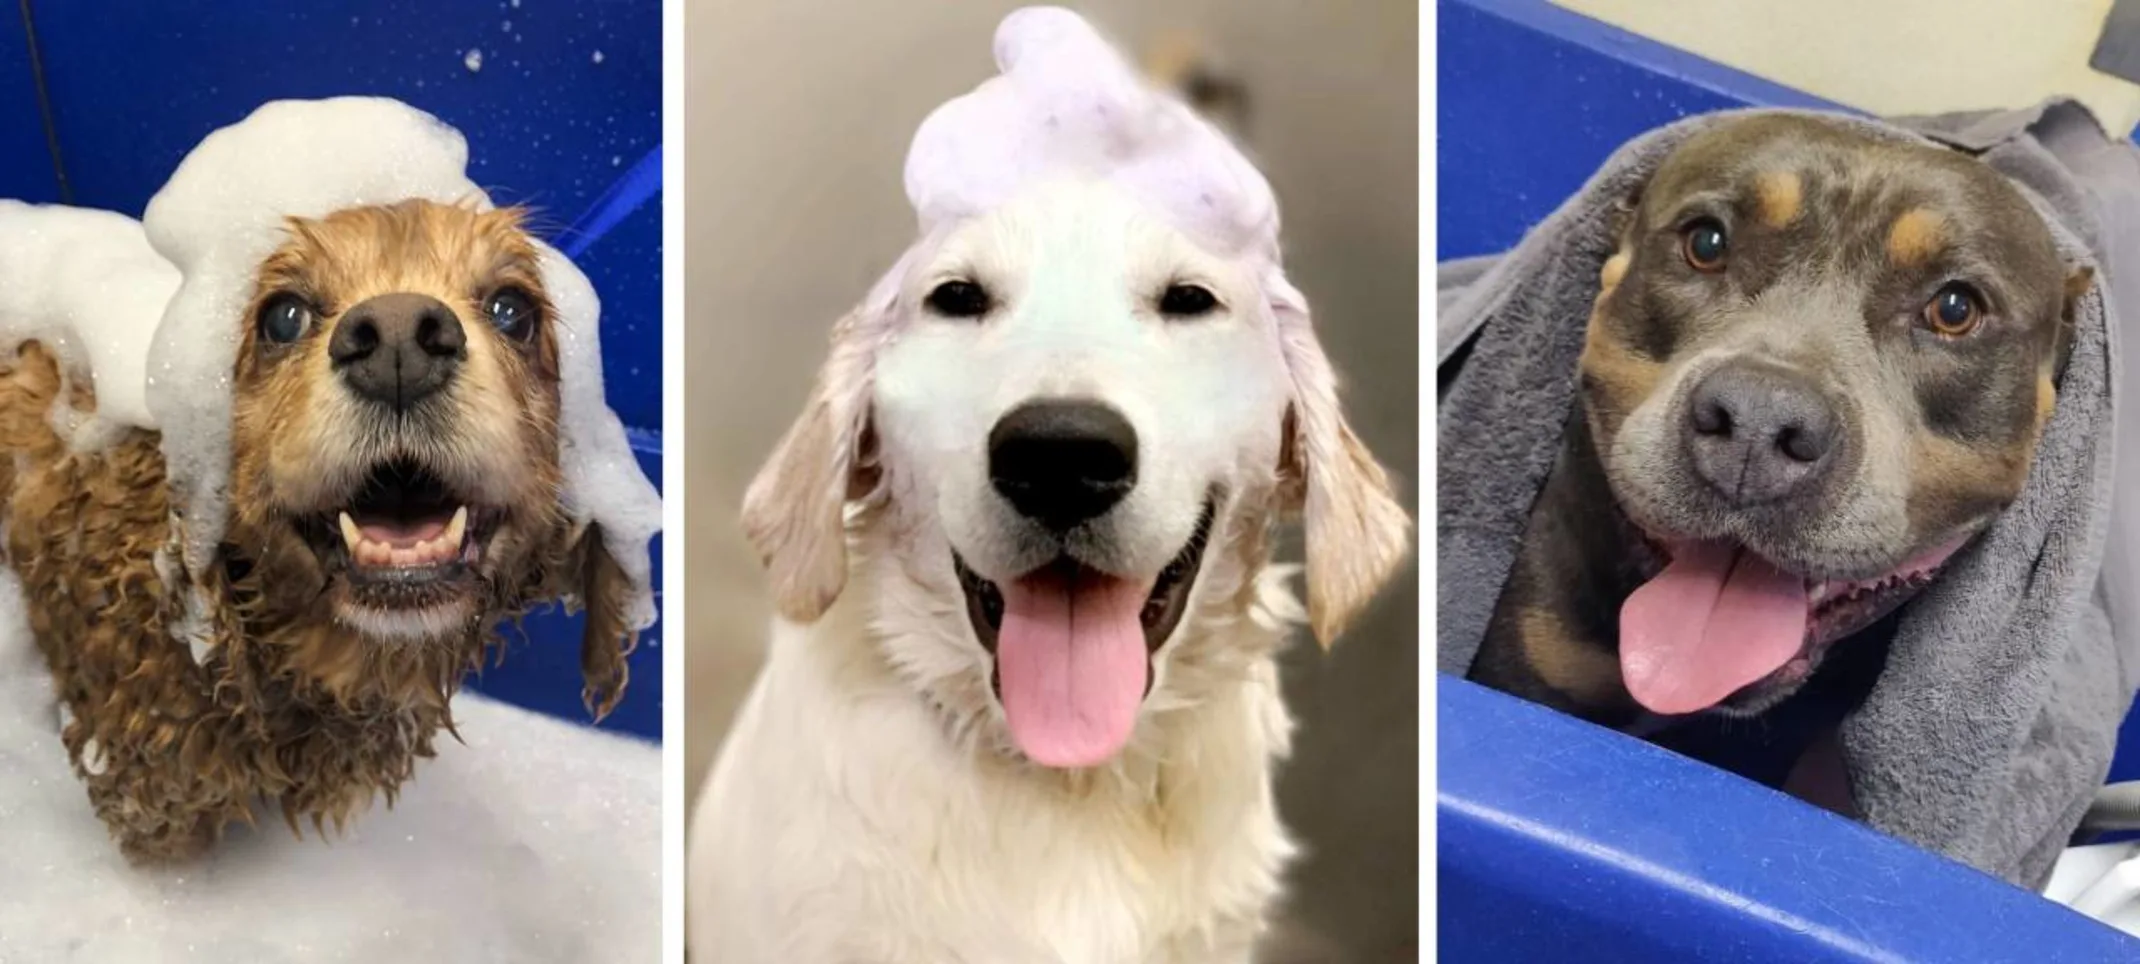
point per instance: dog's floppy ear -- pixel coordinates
(1356, 532)
(605, 592)
(794, 511)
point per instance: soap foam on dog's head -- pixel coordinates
(225, 210)
(1067, 107)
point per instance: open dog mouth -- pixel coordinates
(1719, 621)
(404, 529)
(1073, 647)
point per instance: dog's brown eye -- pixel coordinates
(284, 319)
(1704, 245)
(512, 312)
(1954, 311)
(959, 299)
(1187, 301)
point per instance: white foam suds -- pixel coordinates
(538, 842)
(1067, 105)
(87, 284)
(473, 60)
(225, 210)
(603, 481)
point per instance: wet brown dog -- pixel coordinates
(1817, 365)
(394, 497)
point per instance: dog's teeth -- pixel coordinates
(456, 529)
(350, 535)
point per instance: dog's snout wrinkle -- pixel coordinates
(1757, 433)
(1061, 462)
(398, 348)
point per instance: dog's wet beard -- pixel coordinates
(1073, 648)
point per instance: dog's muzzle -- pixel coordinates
(1758, 433)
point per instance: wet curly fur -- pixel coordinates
(290, 704)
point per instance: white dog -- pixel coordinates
(1039, 723)
(1023, 705)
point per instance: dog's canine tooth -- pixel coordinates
(456, 529)
(350, 536)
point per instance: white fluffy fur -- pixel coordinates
(869, 804)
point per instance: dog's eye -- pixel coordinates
(284, 319)
(513, 312)
(1704, 245)
(1187, 301)
(1955, 310)
(959, 299)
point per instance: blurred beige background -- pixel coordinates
(798, 118)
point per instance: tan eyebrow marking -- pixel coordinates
(1915, 237)
(1780, 197)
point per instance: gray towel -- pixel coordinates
(1995, 719)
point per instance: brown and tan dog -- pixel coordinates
(394, 496)
(1819, 362)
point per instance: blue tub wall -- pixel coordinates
(1551, 841)
(1526, 79)
(567, 101)
(25, 164)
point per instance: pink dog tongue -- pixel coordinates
(1713, 621)
(1070, 662)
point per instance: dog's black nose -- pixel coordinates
(1759, 433)
(395, 349)
(1062, 461)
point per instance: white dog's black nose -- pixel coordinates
(1062, 461)
(1758, 433)
(395, 349)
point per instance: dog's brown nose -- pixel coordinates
(395, 349)
(1061, 462)
(1758, 433)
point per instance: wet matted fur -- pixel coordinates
(274, 678)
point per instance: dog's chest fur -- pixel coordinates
(842, 794)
